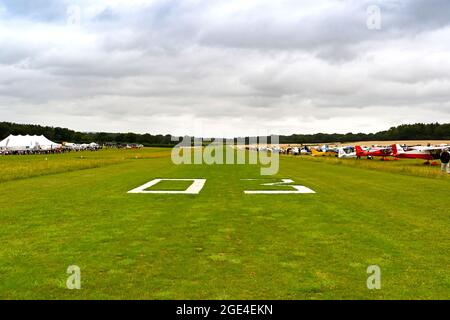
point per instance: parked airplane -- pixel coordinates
(373, 152)
(327, 153)
(346, 152)
(295, 151)
(300, 150)
(417, 152)
(305, 150)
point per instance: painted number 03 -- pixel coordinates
(285, 186)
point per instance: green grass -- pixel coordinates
(170, 186)
(412, 167)
(220, 244)
(20, 167)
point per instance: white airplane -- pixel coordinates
(298, 151)
(305, 150)
(346, 152)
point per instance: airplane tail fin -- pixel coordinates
(397, 149)
(359, 150)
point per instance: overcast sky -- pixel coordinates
(226, 67)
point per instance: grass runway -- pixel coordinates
(60, 210)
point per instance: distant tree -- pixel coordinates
(417, 131)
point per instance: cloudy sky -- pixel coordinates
(225, 67)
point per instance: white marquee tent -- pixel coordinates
(22, 143)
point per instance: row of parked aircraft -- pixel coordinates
(396, 151)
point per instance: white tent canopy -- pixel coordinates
(22, 143)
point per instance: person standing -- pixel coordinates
(445, 159)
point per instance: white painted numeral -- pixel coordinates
(194, 188)
(287, 182)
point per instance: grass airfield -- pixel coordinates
(61, 210)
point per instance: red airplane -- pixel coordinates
(418, 152)
(373, 152)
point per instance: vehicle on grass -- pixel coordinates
(428, 153)
(346, 152)
(324, 152)
(382, 152)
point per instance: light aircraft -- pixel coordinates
(305, 150)
(298, 150)
(417, 152)
(326, 153)
(373, 152)
(295, 151)
(346, 152)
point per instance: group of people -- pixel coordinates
(445, 159)
(6, 152)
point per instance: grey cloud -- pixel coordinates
(170, 63)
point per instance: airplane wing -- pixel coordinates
(435, 148)
(435, 152)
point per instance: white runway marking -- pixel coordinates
(284, 182)
(194, 188)
(298, 189)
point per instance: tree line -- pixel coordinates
(57, 134)
(418, 131)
